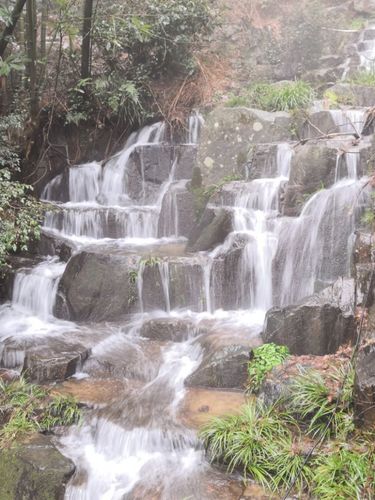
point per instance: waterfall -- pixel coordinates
(349, 121)
(34, 290)
(84, 182)
(311, 247)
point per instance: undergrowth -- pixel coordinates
(366, 78)
(263, 359)
(26, 408)
(270, 444)
(281, 97)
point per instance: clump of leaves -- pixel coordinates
(259, 443)
(263, 359)
(344, 474)
(326, 405)
(288, 96)
(366, 78)
(27, 408)
(368, 217)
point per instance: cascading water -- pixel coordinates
(138, 446)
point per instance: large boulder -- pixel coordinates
(34, 470)
(230, 133)
(316, 326)
(169, 329)
(97, 287)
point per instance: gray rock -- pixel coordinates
(34, 470)
(225, 368)
(315, 326)
(230, 133)
(97, 287)
(45, 365)
(51, 245)
(355, 95)
(168, 329)
(262, 161)
(212, 229)
(313, 167)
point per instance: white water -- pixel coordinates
(138, 443)
(349, 121)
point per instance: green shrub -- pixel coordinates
(368, 217)
(264, 358)
(282, 97)
(250, 442)
(366, 78)
(344, 474)
(314, 401)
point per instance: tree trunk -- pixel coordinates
(43, 30)
(86, 39)
(32, 55)
(8, 31)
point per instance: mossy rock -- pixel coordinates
(34, 470)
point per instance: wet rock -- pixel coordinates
(177, 212)
(364, 384)
(212, 229)
(317, 124)
(262, 161)
(34, 470)
(186, 284)
(225, 368)
(168, 329)
(355, 95)
(45, 365)
(97, 287)
(313, 167)
(315, 326)
(51, 245)
(230, 133)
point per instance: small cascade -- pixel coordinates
(164, 275)
(347, 165)
(34, 290)
(84, 182)
(311, 248)
(196, 123)
(349, 121)
(255, 206)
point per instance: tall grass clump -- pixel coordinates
(27, 408)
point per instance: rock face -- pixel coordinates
(228, 136)
(356, 95)
(96, 287)
(34, 470)
(177, 211)
(316, 326)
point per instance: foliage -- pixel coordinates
(366, 78)
(344, 474)
(20, 213)
(26, 408)
(150, 261)
(358, 23)
(266, 444)
(135, 47)
(280, 97)
(250, 442)
(263, 359)
(368, 217)
(327, 410)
